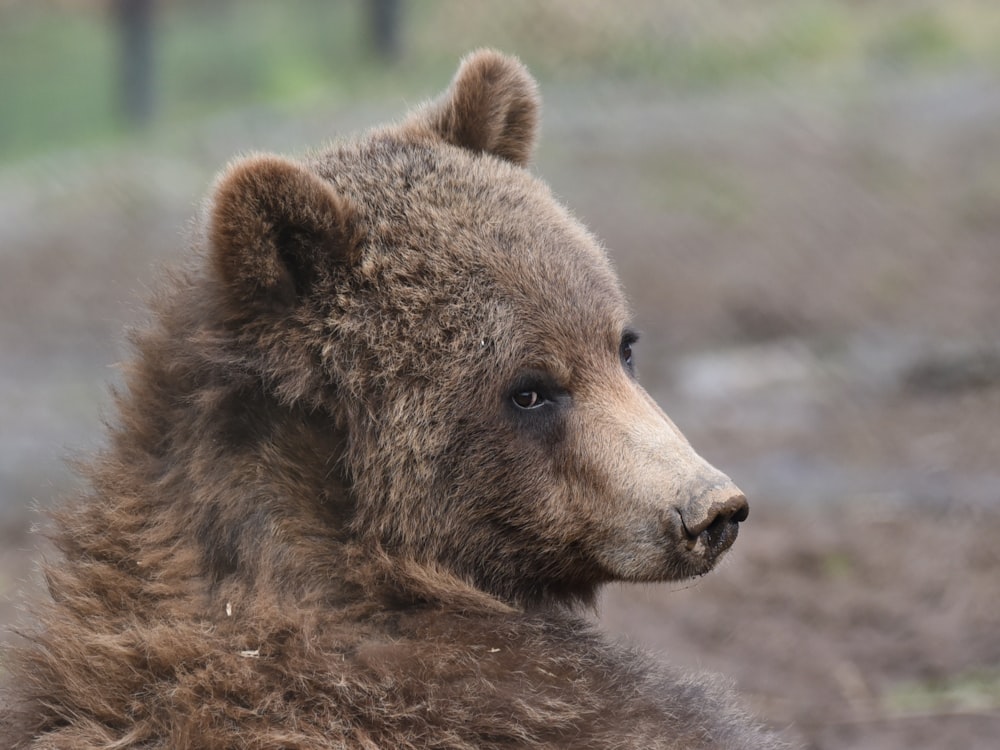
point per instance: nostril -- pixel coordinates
(734, 509)
(741, 509)
(723, 524)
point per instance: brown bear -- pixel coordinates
(381, 441)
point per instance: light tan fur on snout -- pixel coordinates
(655, 494)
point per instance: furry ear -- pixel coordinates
(274, 228)
(492, 105)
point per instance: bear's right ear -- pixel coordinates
(275, 228)
(492, 106)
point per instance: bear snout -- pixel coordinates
(711, 521)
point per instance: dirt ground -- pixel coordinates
(815, 276)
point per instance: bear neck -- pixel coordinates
(208, 480)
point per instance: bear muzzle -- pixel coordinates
(711, 520)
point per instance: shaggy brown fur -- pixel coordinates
(379, 439)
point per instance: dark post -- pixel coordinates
(135, 28)
(384, 25)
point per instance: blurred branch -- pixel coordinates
(135, 28)
(384, 23)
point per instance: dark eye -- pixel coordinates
(533, 390)
(627, 354)
(628, 339)
(527, 399)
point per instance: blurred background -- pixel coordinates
(803, 200)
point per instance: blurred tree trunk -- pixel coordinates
(383, 19)
(135, 29)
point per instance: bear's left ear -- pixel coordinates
(275, 228)
(491, 106)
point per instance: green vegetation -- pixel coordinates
(975, 692)
(57, 84)
(60, 60)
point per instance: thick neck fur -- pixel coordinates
(208, 479)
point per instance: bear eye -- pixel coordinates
(527, 399)
(533, 390)
(625, 351)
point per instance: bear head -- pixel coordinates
(469, 342)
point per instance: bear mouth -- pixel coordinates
(676, 555)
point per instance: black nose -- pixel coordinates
(719, 525)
